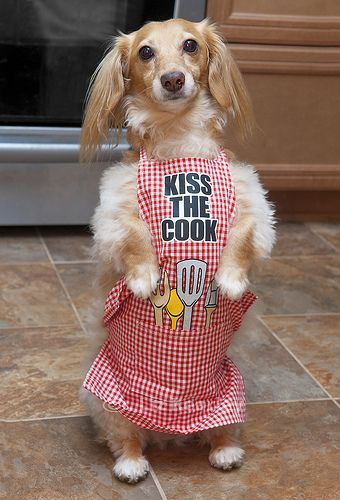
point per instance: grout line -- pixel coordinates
(157, 483)
(43, 243)
(288, 401)
(314, 231)
(37, 419)
(61, 282)
(336, 402)
(297, 359)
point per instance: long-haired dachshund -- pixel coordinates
(182, 223)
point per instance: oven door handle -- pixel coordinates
(49, 145)
(52, 153)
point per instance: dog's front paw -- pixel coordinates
(232, 281)
(142, 280)
(131, 470)
(227, 458)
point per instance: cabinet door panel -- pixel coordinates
(302, 22)
(296, 142)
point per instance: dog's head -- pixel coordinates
(165, 66)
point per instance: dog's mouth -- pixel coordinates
(179, 98)
(175, 97)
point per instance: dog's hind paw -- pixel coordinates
(131, 470)
(227, 458)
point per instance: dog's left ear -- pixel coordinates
(225, 80)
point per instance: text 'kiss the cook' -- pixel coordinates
(189, 195)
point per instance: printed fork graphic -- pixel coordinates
(159, 301)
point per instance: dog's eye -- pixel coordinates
(190, 46)
(146, 53)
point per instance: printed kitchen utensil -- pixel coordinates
(211, 300)
(158, 300)
(174, 308)
(190, 284)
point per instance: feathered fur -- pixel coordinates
(127, 90)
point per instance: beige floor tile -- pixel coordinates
(270, 372)
(291, 453)
(44, 367)
(60, 460)
(329, 231)
(21, 245)
(299, 239)
(31, 295)
(68, 242)
(79, 281)
(315, 340)
(299, 285)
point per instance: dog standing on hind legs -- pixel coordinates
(182, 225)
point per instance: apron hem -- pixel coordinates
(218, 417)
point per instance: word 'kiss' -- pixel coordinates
(189, 195)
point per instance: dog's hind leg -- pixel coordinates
(131, 466)
(226, 452)
(125, 440)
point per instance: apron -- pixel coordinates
(164, 364)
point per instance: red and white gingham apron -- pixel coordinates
(165, 367)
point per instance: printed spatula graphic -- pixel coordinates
(189, 285)
(211, 301)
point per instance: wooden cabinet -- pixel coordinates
(289, 54)
(286, 22)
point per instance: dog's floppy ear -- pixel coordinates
(104, 99)
(225, 81)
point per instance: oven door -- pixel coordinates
(48, 52)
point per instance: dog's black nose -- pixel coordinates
(173, 81)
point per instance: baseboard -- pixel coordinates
(300, 177)
(306, 205)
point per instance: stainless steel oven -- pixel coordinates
(48, 51)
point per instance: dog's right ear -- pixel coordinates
(104, 98)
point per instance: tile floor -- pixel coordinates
(290, 361)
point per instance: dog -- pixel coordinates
(175, 86)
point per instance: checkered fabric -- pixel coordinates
(153, 369)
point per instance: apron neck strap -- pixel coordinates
(222, 154)
(142, 154)
(144, 158)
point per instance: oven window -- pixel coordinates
(50, 48)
